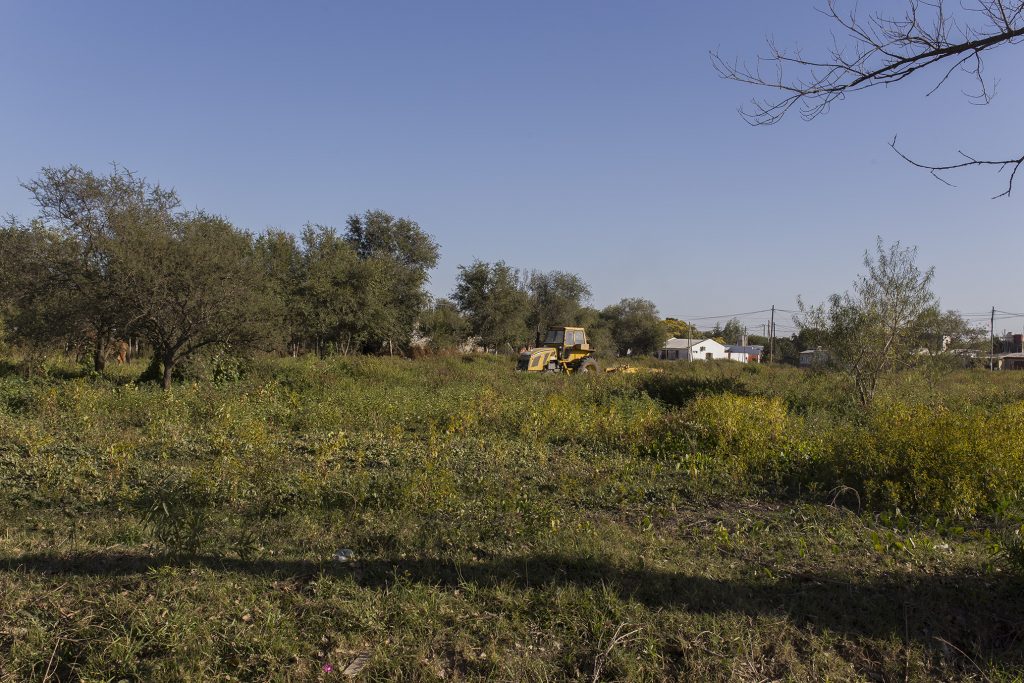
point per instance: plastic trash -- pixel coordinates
(344, 555)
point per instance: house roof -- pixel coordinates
(676, 343)
(755, 349)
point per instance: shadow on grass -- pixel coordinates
(979, 614)
(677, 391)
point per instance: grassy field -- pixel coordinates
(712, 522)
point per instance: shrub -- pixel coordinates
(740, 444)
(934, 459)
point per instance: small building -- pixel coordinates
(690, 349)
(813, 358)
(745, 353)
(1010, 361)
(1011, 343)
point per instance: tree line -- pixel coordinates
(114, 257)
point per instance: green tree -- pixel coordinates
(679, 329)
(398, 256)
(336, 299)
(876, 327)
(494, 302)
(635, 326)
(193, 282)
(282, 263)
(733, 331)
(444, 325)
(76, 292)
(556, 299)
(37, 310)
(599, 331)
(941, 332)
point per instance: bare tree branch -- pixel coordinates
(936, 170)
(884, 49)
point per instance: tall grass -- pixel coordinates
(505, 526)
(302, 431)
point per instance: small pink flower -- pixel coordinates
(327, 668)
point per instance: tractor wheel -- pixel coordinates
(587, 365)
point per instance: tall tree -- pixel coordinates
(939, 37)
(876, 326)
(282, 265)
(678, 328)
(398, 255)
(38, 309)
(80, 294)
(635, 326)
(556, 298)
(940, 332)
(495, 303)
(195, 281)
(336, 297)
(733, 331)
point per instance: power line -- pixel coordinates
(719, 317)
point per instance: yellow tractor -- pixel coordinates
(565, 349)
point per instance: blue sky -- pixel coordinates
(592, 137)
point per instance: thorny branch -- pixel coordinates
(882, 49)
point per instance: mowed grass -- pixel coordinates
(710, 522)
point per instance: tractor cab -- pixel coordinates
(567, 340)
(564, 349)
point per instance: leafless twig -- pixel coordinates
(884, 49)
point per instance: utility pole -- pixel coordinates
(689, 343)
(992, 340)
(771, 337)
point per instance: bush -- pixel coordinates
(933, 459)
(739, 444)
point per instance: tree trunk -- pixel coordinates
(99, 361)
(168, 372)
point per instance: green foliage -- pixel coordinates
(932, 459)
(398, 255)
(111, 258)
(189, 533)
(495, 304)
(635, 326)
(876, 328)
(731, 333)
(679, 329)
(556, 299)
(192, 282)
(65, 281)
(443, 325)
(178, 510)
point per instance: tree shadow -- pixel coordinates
(676, 391)
(978, 614)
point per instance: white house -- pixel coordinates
(691, 349)
(745, 354)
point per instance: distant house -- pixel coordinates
(689, 349)
(745, 354)
(1011, 343)
(813, 358)
(1010, 361)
